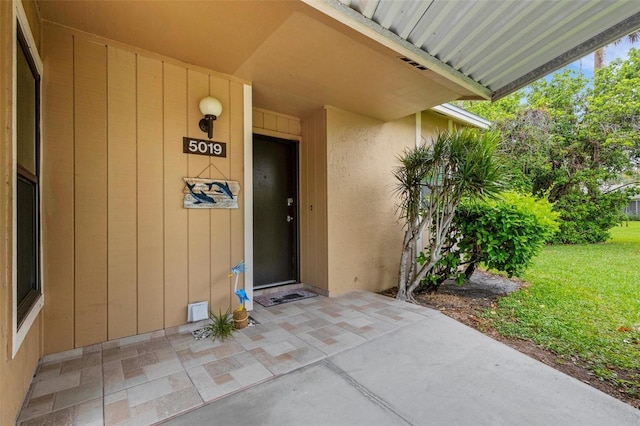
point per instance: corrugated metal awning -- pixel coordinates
(492, 47)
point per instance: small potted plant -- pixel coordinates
(221, 325)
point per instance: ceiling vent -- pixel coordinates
(413, 63)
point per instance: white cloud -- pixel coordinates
(619, 51)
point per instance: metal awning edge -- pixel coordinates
(606, 37)
(344, 14)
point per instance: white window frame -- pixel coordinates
(19, 334)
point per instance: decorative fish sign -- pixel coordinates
(210, 194)
(201, 197)
(223, 188)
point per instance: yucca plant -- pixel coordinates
(432, 181)
(221, 325)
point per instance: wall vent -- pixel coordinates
(413, 63)
(197, 311)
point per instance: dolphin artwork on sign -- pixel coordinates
(210, 194)
(223, 188)
(201, 197)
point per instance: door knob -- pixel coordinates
(289, 218)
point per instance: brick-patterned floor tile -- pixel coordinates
(147, 378)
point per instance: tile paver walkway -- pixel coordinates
(148, 378)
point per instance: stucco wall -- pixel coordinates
(16, 372)
(364, 235)
(122, 256)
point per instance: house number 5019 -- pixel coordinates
(204, 147)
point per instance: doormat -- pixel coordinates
(280, 297)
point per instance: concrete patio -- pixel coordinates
(359, 358)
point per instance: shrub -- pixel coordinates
(587, 218)
(503, 234)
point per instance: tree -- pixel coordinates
(432, 180)
(569, 139)
(598, 55)
(612, 122)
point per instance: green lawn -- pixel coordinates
(583, 302)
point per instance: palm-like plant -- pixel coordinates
(432, 180)
(221, 325)
(598, 55)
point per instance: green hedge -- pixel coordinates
(503, 234)
(587, 218)
(507, 233)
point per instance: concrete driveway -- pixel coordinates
(431, 371)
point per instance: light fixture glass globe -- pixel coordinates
(210, 106)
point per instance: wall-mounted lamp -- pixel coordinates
(211, 108)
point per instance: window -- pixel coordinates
(27, 189)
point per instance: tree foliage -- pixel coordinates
(432, 180)
(569, 139)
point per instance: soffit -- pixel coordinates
(297, 58)
(500, 46)
(216, 35)
(300, 56)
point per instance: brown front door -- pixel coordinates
(275, 211)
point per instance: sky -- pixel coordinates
(611, 52)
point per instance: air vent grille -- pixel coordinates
(413, 63)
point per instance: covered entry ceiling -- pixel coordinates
(383, 59)
(501, 45)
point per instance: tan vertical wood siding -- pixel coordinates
(90, 119)
(313, 201)
(220, 222)
(269, 121)
(150, 194)
(131, 257)
(122, 189)
(176, 237)
(199, 230)
(58, 205)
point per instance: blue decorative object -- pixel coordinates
(237, 270)
(242, 296)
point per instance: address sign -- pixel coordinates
(204, 147)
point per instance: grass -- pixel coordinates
(583, 302)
